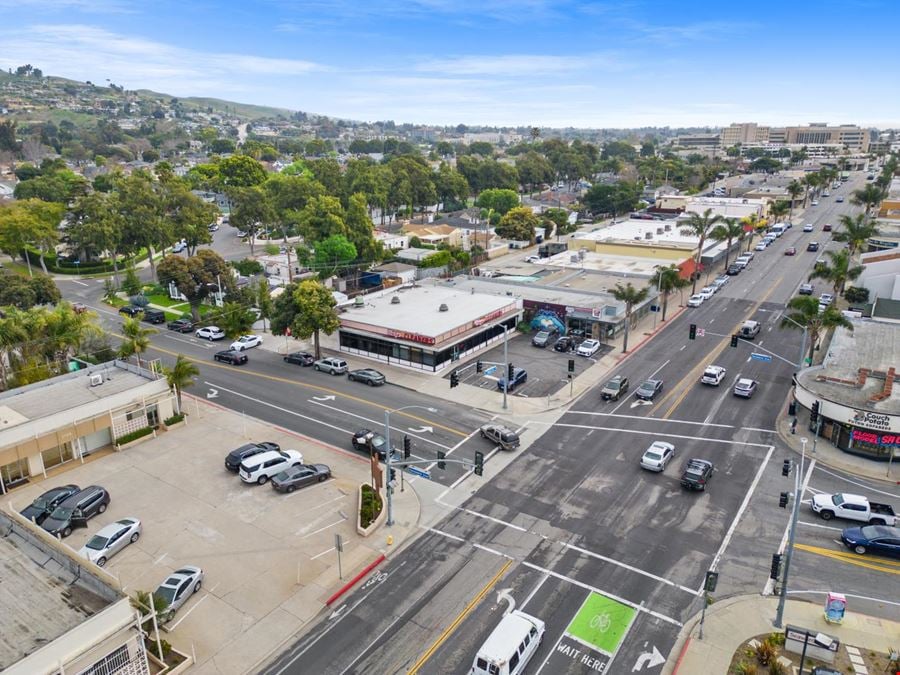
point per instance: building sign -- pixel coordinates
(488, 317)
(871, 420)
(864, 420)
(411, 337)
(875, 439)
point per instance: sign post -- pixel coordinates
(339, 547)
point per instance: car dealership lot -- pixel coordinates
(267, 557)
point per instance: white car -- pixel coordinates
(588, 348)
(808, 227)
(533, 259)
(721, 281)
(707, 292)
(260, 468)
(110, 540)
(177, 588)
(761, 246)
(246, 342)
(657, 456)
(179, 246)
(695, 301)
(210, 333)
(826, 299)
(815, 202)
(713, 375)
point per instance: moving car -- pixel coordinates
(181, 325)
(614, 388)
(749, 330)
(300, 358)
(510, 646)
(520, 375)
(44, 505)
(235, 457)
(110, 540)
(713, 375)
(131, 310)
(877, 539)
(853, 507)
(826, 227)
(155, 316)
(541, 338)
(177, 588)
(369, 442)
(808, 227)
(696, 474)
(246, 342)
(745, 387)
(76, 511)
(231, 356)
(790, 250)
(649, 389)
(260, 468)
(331, 365)
(805, 289)
(300, 476)
(369, 376)
(839, 199)
(588, 347)
(210, 333)
(657, 456)
(697, 299)
(812, 246)
(503, 436)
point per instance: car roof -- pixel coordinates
(746, 381)
(112, 528)
(263, 457)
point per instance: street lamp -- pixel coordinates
(389, 451)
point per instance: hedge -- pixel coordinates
(174, 419)
(369, 507)
(134, 435)
(54, 264)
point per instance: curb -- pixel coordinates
(355, 580)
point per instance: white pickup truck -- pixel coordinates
(853, 507)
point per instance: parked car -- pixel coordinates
(745, 387)
(761, 246)
(235, 457)
(213, 227)
(814, 202)
(181, 325)
(76, 511)
(839, 199)
(331, 365)
(246, 342)
(231, 356)
(503, 436)
(369, 442)
(177, 588)
(368, 376)
(808, 227)
(707, 292)
(696, 300)
(805, 289)
(790, 250)
(853, 507)
(713, 375)
(155, 316)
(565, 344)
(541, 338)
(533, 259)
(300, 476)
(44, 505)
(733, 270)
(877, 539)
(260, 468)
(131, 310)
(825, 299)
(657, 456)
(614, 388)
(110, 540)
(520, 375)
(179, 246)
(300, 358)
(77, 307)
(696, 474)
(721, 281)
(210, 333)
(649, 389)
(588, 347)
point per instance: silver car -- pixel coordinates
(177, 588)
(110, 540)
(331, 365)
(657, 456)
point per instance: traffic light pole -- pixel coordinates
(505, 361)
(795, 513)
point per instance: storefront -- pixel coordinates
(600, 323)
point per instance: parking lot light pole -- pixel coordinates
(798, 481)
(389, 451)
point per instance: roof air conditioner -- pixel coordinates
(395, 300)
(443, 308)
(96, 379)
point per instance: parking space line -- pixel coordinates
(319, 506)
(322, 529)
(319, 555)
(160, 559)
(186, 614)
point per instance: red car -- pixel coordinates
(790, 251)
(826, 227)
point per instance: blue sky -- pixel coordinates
(554, 63)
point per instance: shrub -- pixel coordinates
(776, 639)
(134, 435)
(775, 668)
(139, 300)
(854, 294)
(174, 419)
(247, 267)
(744, 668)
(109, 289)
(370, 506)
(764, 653)
(131, 284)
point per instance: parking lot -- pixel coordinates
(547, 369)
(268, 558)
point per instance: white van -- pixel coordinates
(777, 229)
(510, 646)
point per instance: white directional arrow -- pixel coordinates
(336, 613)
(649, 660)
(639, 402)
(323, 398)
(504, 594)
(212, 393)
(423, 430)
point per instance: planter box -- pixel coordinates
(186, 662)
(125, 446)
(375, 524)
(169, 427)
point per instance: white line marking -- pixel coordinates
(863, 485)
(821, 527)
(322, 529)
(534, 590)
(632, 394)
(444, 534)
(377, 424)
(487, 517)
(187, 613)
(160, 559)
(762, 431)
(639, 417)
(80, 283)
(561, 636)
(849, 595)
(652, 433)
(319, 506)
(319, 555)
(492, 550)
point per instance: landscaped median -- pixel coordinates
(371, 512)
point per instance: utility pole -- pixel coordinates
(779, 615)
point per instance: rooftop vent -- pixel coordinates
(96, 379)
(648, 235)
(668, 227)
(659, 230)
(443, 308)
(395, 300)
(358, 301)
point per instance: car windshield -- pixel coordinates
(97, 543)
(61, 513)
(613, 384)
(40, 503)
(377, 441)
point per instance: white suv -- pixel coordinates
(260, 468)
(713, 375)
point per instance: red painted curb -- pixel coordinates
(346, 587)
(684, 648)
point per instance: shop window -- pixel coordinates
(14, 472)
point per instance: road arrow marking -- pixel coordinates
(212, 393)
(323, 398)
(504, 594)
(636, 403)
(336, 613)
(423, 430)
(649, 660)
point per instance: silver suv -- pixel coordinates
(503, 436)
(331, 365)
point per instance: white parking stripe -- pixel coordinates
(322, 529)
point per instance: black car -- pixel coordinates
(565, 344)
(43, 506)
(733, 270)
(299, 476)
(367, 441)
(76, 511)
(300, 358)
(696, 474)
(371, 377)
(231, 356)
(812, 246)
(649, 389)
(131, 310)
(238, 455)
(154, 316)
(181, 325)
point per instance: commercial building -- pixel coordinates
(816, 134)
(697, 141)
(746, 133)
(425, 327)
(65, 418)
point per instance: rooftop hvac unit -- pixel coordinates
(648, 235)
(358, 301)
(443, 308)
(395, 300)
(668, 227)
(659, 230)
(96, 379)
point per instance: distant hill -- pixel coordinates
(243, 110)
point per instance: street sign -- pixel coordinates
(760, 357)
(701, 332)
(421, 473)
(488, 371)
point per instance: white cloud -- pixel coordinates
(519, 65)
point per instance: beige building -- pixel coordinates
(727, 207)
(438, 234)
(745, 133)
(660, 241)
(815, 134)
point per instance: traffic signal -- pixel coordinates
(407, 447)
(509, 371)
(776, 566)
(479, 366)
(734, 340)
(692, 332)
(454, 379)
(479, 463)
(786, 468)
(712, 579)
(814, 413)
(393, 475)
(783, 500)
(792, 408)
(571, 365)
(441, 464)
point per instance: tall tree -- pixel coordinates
(29, 222)
(869, 196)
(251, 212)
(189, 215)
(143, 211)
(135, 338)
(181, 374)
(795, 189)
(196, 277)
(631, 296)
(322, 218)
(315, 312)
(360, 230)
(669, 279)
(501, 201)
(728, 230)
(805, 314)
(856, 232)
(699, 225)
(96, 228)
(779, 208)
(838, 272)
(518, 224)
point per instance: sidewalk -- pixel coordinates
(731, 622)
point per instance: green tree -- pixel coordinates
(727, 230)
(181, 374)
(501, 201)
(234, 318)
(615, 199)
(518, 224)
(240, 171)
(631, 296)
(251, 212)
(805, 314)
(779, 209)
(29, 222)
(669, 279)
(143, 211)
(450, 185)
(263, 300)
(189, 215)
(699, 225)
(96, 227)
(315, 312)
(856, 232)
(556, 220)
(838, 272)
(196, 277)
(795, 189)
(284, 309)
(360, 229)
(534, 170)
(135, 338)
(321, 218)
(869, 196)
(132, 284)
(333, 253)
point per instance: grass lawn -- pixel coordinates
(165, 301)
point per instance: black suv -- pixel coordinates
(566, 344)
(131, 310)
(44, 505)
(154, 316)
(181, 325)
(238, 455)
(76, 511)
(696, 474)
(733, 270)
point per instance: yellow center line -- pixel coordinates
(458, 620)
(713, 355)
(871, 562)
(313, 387)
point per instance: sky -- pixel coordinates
(546, 63)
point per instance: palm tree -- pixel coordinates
(856, 232)
(812, 181)
(669, 279)
(806, 315)
(795, 189)
(699, 226)
(181, 375)
(728, 230)
(869, 196)
(631, 296)
(64, 330)
(135, 338)
(839, 272)
(12, 334)
(779, 209)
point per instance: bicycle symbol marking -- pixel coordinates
(601, 622)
